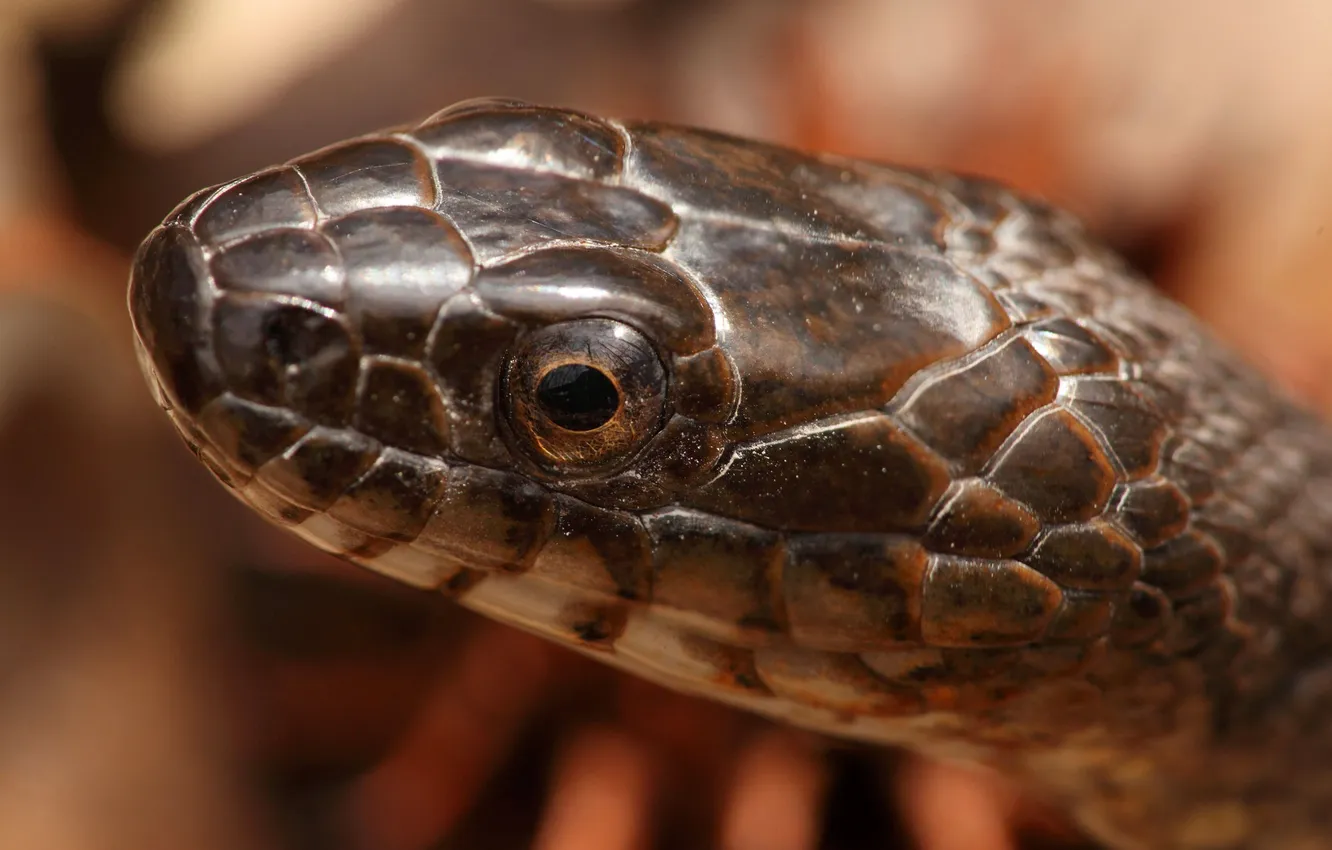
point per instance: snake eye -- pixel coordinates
(578, 397)
(583, 396)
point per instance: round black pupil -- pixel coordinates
(577, 397)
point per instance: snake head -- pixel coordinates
(741, 415)
(895, 455)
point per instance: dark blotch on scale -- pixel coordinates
(717, 568)
(394, 499)
(319, 468)
(488, 517)
(248, 432)
(1142, 618)
(850, 592)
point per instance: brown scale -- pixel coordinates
(705, 386)
(1129, 424)
(399, 405)
(887, 480)
(724, 572)
(466, 335)
(1056, 466)
(1071, 349)
(890, 204)
(977, 602)
(249, 433)
(258, 205)
(1142, 617)
(780, 331)
(966, 415)
(400, 266)
(1093, 555)
(654, 295)
(341, 177)
(1152, 509)
(568, 143)
(490, 518)
(593, 549)
(393, 498)
(974, 518)
(833, 681)
(680, 454)
(503, 209)
(848, 592)
(766, 188)
(1083, 617)
(1191, 466)
(1183, 565)
(171, 318)
(312, 270)
(315, 471)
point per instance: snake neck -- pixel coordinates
(1146, 769)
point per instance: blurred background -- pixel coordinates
(175, 674)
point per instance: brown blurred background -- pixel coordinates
(175, 674)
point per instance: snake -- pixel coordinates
(897, 455)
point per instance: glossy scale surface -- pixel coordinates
(896, 455)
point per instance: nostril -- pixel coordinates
(286, 355)
(247, 374)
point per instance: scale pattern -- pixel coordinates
(935, 462)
